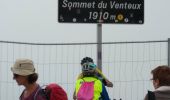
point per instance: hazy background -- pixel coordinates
(36, 21)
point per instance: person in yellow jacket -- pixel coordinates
(98, 72)
(100, 75)
(95, 74)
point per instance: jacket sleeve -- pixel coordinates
(104, 93)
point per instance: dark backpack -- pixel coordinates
(151, 95)
(53, 92)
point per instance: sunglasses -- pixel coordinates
(88, 66)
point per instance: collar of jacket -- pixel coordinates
(163, 88)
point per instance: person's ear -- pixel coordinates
(156, 83)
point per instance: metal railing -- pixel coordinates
(126, 64)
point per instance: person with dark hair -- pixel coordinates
(24, 74)
(161, 83)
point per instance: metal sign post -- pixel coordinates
(168, 51)
(101, 12)
(99, 46)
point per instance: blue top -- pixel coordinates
(104, 93)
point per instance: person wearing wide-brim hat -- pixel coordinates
(24, 74)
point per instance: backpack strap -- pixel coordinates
(20, 98)
(83, 80)
(39, 88)
(41, 91)
(151, 95)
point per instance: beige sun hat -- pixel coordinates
(23, 67)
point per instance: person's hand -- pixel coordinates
(109, 84)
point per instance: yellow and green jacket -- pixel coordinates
(99, 88)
